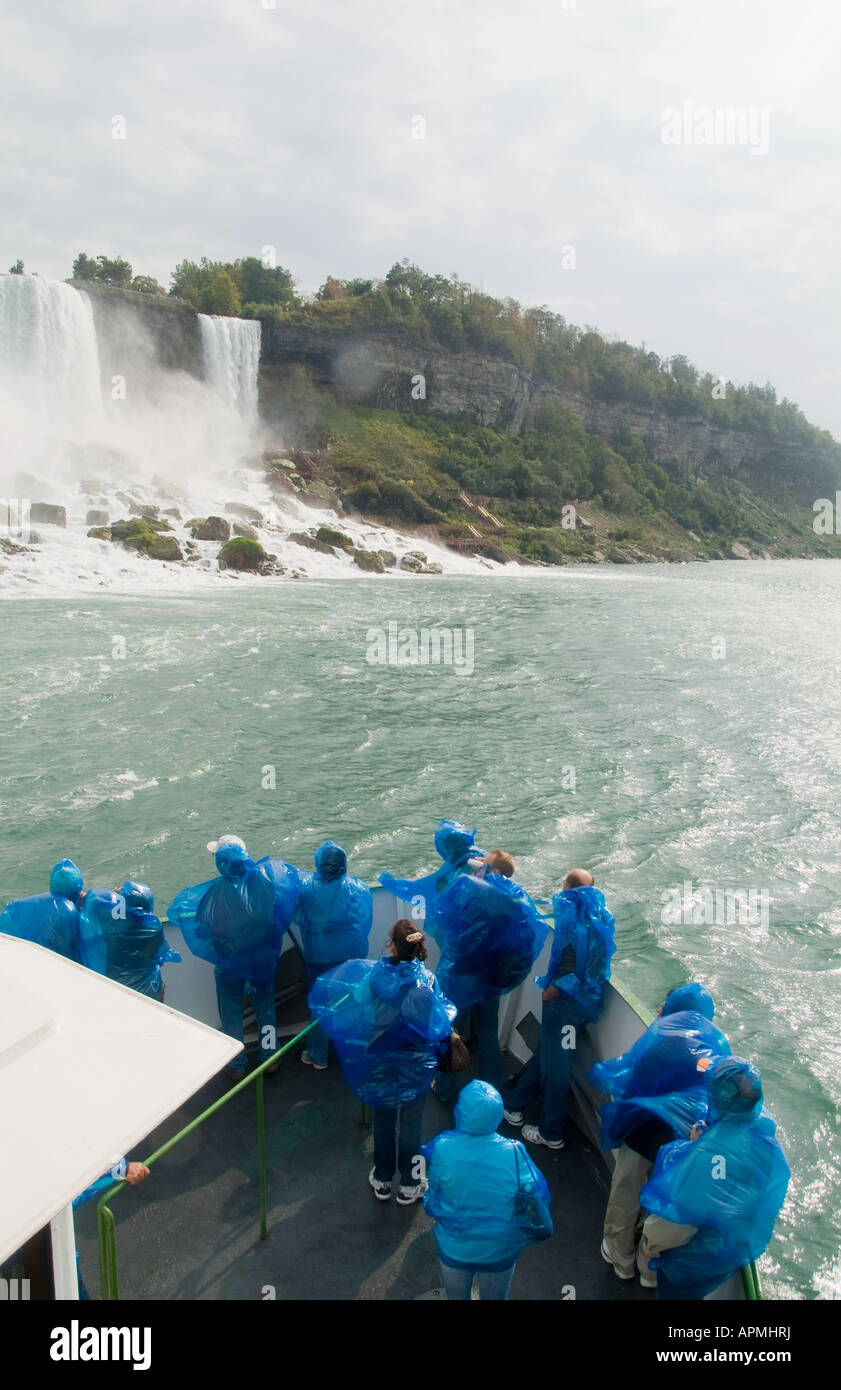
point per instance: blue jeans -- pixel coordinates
(550, 1067)
(318, 1043)
(493, 1284)
(391, 1153)
(230, 996)
(488, 1061)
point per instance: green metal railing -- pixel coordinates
(104, 1215)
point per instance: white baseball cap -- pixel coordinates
(213, 845)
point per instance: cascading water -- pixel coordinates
(48, 355)
(231, 349)
(95, 433)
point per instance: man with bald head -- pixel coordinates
(573, 994)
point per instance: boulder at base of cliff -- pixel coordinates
(211, 528)
(737, 550)
(143, 536)
(100, 533)
(330, 536)
(95, 517)
(241, 528)
(388, 558)
(413, 560)
(242, 554)
(301, 538)
(243, 512)
(48, 514)
(619, 557)
(369, 560)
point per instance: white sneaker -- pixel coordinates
(381, 1190)
(532, 1135)
(617, 1271)
(514, 1117)
(648, 1278)
(308, 1062)
(407, 1195)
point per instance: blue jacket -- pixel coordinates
(730, 1183)
(388, 1022)
(474, 1175)
(49, 919)
(334, 910)
(584, 928)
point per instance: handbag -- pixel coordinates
(530, 1210)
(454, 1055)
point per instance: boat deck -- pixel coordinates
(191, 1231)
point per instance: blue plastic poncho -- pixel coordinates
(659, 1077)
(123, 939)
(49, 919)
(388, 1030)
(474, 1175)
(334, 909)
(730, 1183)
(455, 844)
(490, 934)
(237, 921)
(582, 921)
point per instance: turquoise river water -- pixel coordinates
(675, 729)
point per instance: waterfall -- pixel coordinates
(49, 362)
(231, 349)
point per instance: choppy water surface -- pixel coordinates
(695, 709)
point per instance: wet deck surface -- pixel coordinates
(191, 1231)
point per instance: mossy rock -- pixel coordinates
(142, 535)
(388, 558)
(333, 537)
(211, 528)
(165, 548)
(369, 560)
(100, 533)
(241, 528)
(413, 562)
(242, 554)
(301, 538)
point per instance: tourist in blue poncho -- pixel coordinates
(713, 1200)
(456, 846)
(334, 914)
(658, 1094)
(49, 919)
(573, 995)
(487, 1198)
(236, 922)
(123, 939)
(490, 934)
(388, 1020)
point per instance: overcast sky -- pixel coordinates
(250, 126)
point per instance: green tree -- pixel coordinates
(84, 267)
(17, 268)
(221, 296)
(117, 273)
(260, 284)
(146, 284)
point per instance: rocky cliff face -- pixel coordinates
(129, 324)
(390, 371)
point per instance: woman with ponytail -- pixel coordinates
(388, 1020)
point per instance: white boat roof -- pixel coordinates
(87, 1069)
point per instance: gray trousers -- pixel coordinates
(630, 1174)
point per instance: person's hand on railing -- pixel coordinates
(135, 1173)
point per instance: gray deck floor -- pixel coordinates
(191, 1230)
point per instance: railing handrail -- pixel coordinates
(106, 1227)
